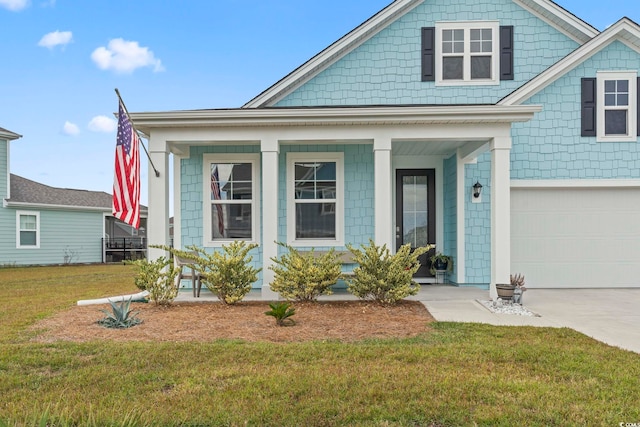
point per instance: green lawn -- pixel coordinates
(458, 374)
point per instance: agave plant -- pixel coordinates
(281, 311)
(120, 316)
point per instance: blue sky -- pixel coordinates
(62, 60)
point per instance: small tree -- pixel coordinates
(305, 277)
(158, 278)
(383, 277)
(228, 274)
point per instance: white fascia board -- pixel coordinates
(575, 183)
(331, 54)
(561, 19)
(8, 135)
(624, 31)
(335, 116)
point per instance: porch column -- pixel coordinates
(500, 212)
(158, 217)
(384, 233)
(270, 152)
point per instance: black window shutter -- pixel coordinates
(506, 52)
(588, 107)
(638, 106)
(428, 54)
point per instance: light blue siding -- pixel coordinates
(386, 69)
(478, 224)
(450, 212)
(550, 146)
(358, 192)
(191, 184)
(76, 235)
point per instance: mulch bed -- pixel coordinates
(207, 321)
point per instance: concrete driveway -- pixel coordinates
(608, 315)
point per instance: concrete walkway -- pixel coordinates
(608, 315)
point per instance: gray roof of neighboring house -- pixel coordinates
(4, 133)
(26, 191)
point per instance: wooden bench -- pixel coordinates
(345, 258)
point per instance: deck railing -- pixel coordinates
(117, 249)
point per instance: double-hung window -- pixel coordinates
(231, 195)
(28, 229)
(617, 106)
(467, 52)
(315, 207)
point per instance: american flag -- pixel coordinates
(215, 190)
(126, 181)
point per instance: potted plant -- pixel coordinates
(512, 291)
(440, 262)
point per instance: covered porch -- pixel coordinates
(394, 138)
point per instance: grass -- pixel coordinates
(458, 374)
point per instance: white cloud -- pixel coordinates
(14, 5)
(56, 38)
(102, 124)
(124, 56)
(70, 129)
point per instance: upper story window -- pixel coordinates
(231, 195)
(467, 53)
(617, 111)
(28, 229)
(315, 207)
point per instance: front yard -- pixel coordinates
(451, 374)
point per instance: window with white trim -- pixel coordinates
(27, 229)
(231, 195)
(315, 201)
(616, 113)
(467, 53)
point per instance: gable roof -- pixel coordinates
(8, 135)
(625, 31)
(547, 10)
(26, 192)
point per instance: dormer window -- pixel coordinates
(467, 53)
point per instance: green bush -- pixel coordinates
(228, 274)
(304, 277)
(158, 278)
(383, 277)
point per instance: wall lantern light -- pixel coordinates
(477, 192)
(477, 189)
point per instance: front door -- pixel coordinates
(416, 212)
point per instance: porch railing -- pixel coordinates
(118, 249)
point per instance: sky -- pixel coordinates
(62, 60)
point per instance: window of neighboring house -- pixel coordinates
(315, 208)
(28, 229)
(467, 53)
(617, 106)
(231, 194)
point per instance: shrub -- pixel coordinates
(228, 274)
(120, 316)
(383, 277)
(282, 311)
(304, 277)
(158, 278)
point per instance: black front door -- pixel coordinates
(416, 212)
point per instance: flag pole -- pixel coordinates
(124, 107)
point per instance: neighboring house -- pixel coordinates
(47, 225)
(384, 133)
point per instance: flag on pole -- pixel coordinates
(126, 181)
(215, 190)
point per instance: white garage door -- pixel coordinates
(576, 238)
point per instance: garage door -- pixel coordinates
(576, 238)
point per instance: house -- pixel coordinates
(40, 224)
(384, 133)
